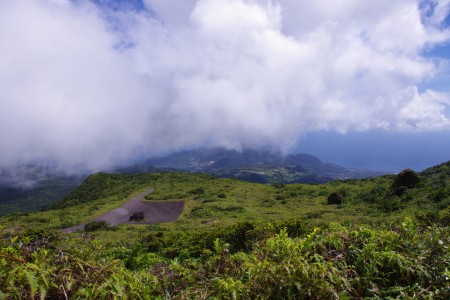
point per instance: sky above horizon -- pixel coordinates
(91, 84)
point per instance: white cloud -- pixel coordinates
(85, 86)
(173, 13)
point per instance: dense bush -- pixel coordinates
(374, 195)
(334, 198)
(96, 225)
(137, 216)
(406, 179)
(332, 262)
(221, 195)
(197, 191)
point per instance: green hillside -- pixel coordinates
(262, 166)
(374, 238)
(41, 195)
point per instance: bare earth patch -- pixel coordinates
(154, 212)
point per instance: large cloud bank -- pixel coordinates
(86, 84)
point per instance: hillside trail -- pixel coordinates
(154, 212)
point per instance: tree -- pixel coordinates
(407, 179)
(334, 198)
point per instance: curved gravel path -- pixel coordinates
(155, 212)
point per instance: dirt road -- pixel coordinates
(155, 212)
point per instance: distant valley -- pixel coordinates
(249, 165)
(252, 165)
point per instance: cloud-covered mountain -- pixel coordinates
(90, 84)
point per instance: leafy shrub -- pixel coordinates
(266, 202)
(406, 179)
(314, 215)
(373, 195)
(197, 191)
(280, 197)
(334, 198)
(221, 195)
(389, 203)
(278, 185)
(206, 211)
(444, 203)
(171, 196)
(96, 225)
(280, 260)
(232, 208)
(209, 201)
(137, 216)
(201, 211)
(440, 194)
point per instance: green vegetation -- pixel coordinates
(41, 195)
(407, 179)
(378, 238)
(406, 262)
(260, 166)
(96, 225)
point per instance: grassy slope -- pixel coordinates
(214, 202)
(223, 247)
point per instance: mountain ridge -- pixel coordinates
(261, 166)
(257, 165)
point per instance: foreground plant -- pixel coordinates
(332, 262)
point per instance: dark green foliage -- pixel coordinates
(103, 185)
(96, 225)
(389, 203)
(221, 195)
(249, 176)
(407, 179)
(278, 185)
(374, 195)
(334, 198)
(95, 186)
(440, 194)
(244, 261)
(197, 191)
(41, 195)
(137, 216)
(239, 237)
(205, 211)
(443, 204)
(201, 211)
(209, 200)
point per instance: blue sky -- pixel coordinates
(90, 84)
(379, 150)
